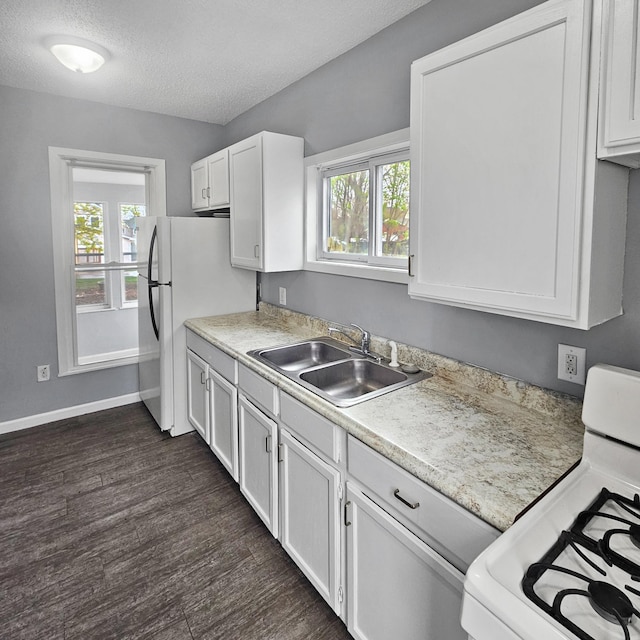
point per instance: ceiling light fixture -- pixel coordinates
(77, 54)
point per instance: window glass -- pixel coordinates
(129, 213)
(349, 213)
(394, 218)
(365, 212)
(88, 218)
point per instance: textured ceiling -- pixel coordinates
(208, 60)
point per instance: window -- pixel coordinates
(358, 203)
(96, 200)
(366, 212)
(116, 287)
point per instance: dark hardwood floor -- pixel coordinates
(110, 529)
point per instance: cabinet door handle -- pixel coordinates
(411, 257)
(202, 377)
(208, 192)
(280, 450)
(347, 523)
(204, 193)
(411, 505)
(267, 444)
(207, 384)
(256, 251)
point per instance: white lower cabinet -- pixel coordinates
(258, 450)
(310, 516)
(197, 393)
(386, 551)
(212, 399)
(223, 421)
(397, 586)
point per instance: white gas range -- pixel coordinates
(569, 568)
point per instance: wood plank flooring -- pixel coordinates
(110, 529)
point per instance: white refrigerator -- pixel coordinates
(184, 271)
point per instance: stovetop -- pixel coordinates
(589, 580)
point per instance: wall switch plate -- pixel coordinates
(572, 364)
(43, 373)
(282, 295)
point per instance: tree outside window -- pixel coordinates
(367, 212)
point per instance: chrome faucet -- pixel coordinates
(365, 342)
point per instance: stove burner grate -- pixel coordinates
(608, 601)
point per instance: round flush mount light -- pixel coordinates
(77, 54)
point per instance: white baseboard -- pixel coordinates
(68, 412)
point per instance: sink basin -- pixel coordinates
(353, 378)
(303, 355)
(327, 368)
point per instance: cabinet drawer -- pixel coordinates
(449, 528)
(223, 363)
(261, 391)
(311, 427)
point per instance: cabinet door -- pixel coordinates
(621, 69)
(310, 516)
(218, 172)
(397, 586)
(197, 394)
(223, 421)
(498, 124)
(199, 185)
(258, 449)
(245, 159)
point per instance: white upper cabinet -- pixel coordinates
(266, 173)
(210, 182)
(199, 185)
(620, 102)
(513, 214)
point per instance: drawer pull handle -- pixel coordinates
(347, 523)
(411, 505)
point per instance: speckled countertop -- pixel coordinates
(490, 443)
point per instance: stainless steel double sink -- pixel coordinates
(329, 369)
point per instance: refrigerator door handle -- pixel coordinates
(152, 284)
(150, 287)
(150, 280)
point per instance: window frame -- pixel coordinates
(377, 151)
(61, 161)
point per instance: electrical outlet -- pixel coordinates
(572, 364)
(43, 373)
(283, 295)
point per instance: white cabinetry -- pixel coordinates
(210, 182)
(513, 213)
(266, 173)
(386, 551)
(223, 421)
(310, 498)
(620, 104)
(212, 399)
(258, 445)
(197, 394)
(397, 586)
(414, 589)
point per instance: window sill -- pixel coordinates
(367, 271)
(90, 363)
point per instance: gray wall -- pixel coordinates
(30, 122)
(365, 93)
